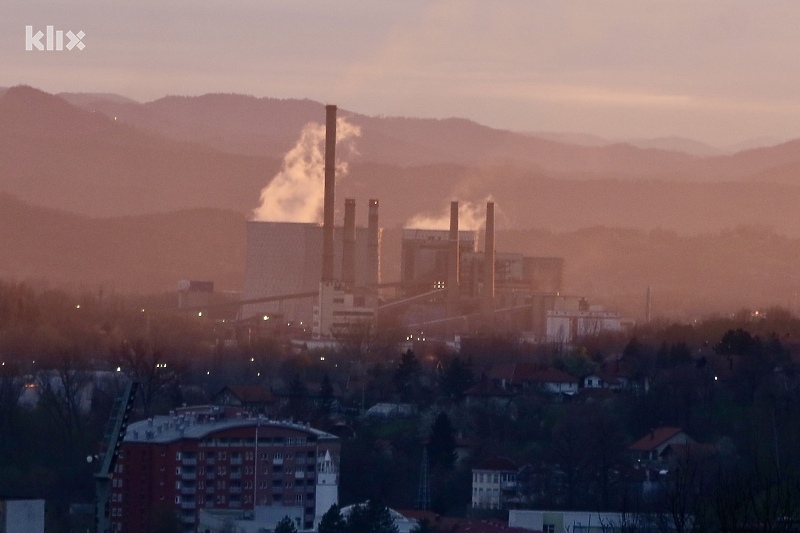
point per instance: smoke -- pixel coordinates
(296, 193)
(471, 216)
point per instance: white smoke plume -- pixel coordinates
(471, 216)
(296, 193)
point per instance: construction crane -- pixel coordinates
(115, 433)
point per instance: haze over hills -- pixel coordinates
(140, 201)
(171, 154)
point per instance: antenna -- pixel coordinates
(424, 494)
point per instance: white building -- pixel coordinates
(494, 482)
(22, 516)
(566, 324)
(339, 312)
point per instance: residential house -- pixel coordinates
(494, 483)
(254, 399)
(487, 393)
(533, 377)
(650, 448)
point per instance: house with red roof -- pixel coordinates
(651, 447)
(532, 377)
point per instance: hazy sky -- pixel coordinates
(720, 72)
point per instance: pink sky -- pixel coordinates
(719, 72)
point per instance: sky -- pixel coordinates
(718, 72)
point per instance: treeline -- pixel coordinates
(731, 383)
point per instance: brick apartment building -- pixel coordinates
(221, 460)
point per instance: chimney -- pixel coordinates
(373, 248)
(488, 257)
(349, 243)
(452, 261)
(330, 185)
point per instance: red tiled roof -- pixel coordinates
(654, 439)
(532, 372)
(497, 463)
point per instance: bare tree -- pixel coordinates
(62, 389)
(143, 363)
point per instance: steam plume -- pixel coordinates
(471, 216)
(296, 193)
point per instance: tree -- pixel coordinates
(61, 391)
(405, 375)
(442, 443)
(371, 517)
(285, 525)
(326, 395)
(148, 366)
(455, 378)
(332, 521)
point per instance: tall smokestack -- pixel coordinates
(330, 185)
(452, 262)
(373, 251)
(488, 257)
(349, 243)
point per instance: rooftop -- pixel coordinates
(198, 422)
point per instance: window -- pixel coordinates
(549, 528)
(177, 456)
(178, 470)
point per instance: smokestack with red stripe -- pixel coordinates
(330, 185)
(349, 243)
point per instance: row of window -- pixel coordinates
(262, 441)
(492, 478)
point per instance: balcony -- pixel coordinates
(188, 490)
(236, 490)
(189, 461)
(188, 475)
(188, 504)
(236, 460)
(235, 475)
(508, 485)
(277, 461)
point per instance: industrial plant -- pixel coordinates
(326, 280)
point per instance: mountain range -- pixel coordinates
(98, 188)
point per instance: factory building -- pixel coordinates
(425, 258)
(285, 259)
(213, 461)
(328, 277)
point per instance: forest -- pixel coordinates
(730, 382)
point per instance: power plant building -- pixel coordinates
(285, 259)
(426, 256)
